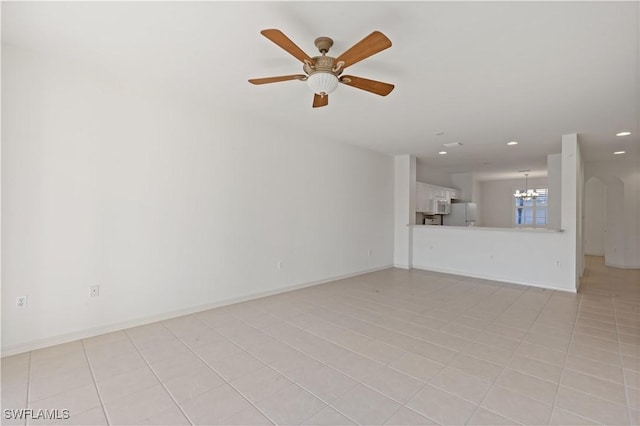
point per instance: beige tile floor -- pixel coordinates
(391, 347)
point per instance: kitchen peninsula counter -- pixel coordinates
(497, 254)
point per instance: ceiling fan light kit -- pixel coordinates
(322, 82)
(323, 73)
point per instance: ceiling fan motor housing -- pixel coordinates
(323, 44)
(322, 64)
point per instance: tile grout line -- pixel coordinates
(460, 337)
(369, 337)
(426, 383)
(359, 295)
(345, 348)
(401, 404)
(419, 313)
(95, 382)
(569, 386)
(301, 352)
(28, 396)
(494, 384)
(214, 370)
(623, 384)
(574, 333)
(360, 307)
(565, 368)
(157, 377)
(323, 363)
(521, 342)
(327, 404)
(330, 404)
(624, 379)
(566, 355)
(570, 369)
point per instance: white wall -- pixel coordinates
(621, 177)
(594, 217)
(167, 206)
(615, 236)
(432, 175)
(554, 183)
(497, 205)
(465, 183)
(477, 198)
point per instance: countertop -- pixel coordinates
(486, 228)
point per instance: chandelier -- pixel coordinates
(527, 194)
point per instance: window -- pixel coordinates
(532, 213)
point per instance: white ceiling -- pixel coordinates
(482, 73)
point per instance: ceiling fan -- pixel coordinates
(323, 73)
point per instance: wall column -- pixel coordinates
(404, 209)
(571, 208)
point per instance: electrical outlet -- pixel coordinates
(557, 263)
(280, 264)
(21, 302)
(94, 291)
(369, 252)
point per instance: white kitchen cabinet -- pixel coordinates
(426, 192)
(423, 196)
(439, 192)
(448, 193)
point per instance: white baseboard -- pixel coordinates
(401, 266)
(95, 331)
(615, 265)
(486, 277)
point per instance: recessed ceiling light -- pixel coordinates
(623, 134)
(512, 143)
(452, 144)
(442, 152)
(619, 152)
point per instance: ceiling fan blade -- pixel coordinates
(277, 79)
(370, 45)
(284, 42)
(320, 100)
(377, 87)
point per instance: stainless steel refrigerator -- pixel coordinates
(462, 214)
